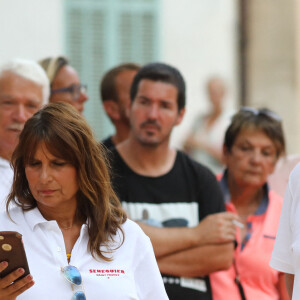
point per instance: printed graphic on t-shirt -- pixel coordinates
(166, 214)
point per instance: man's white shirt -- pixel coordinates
(6, 178)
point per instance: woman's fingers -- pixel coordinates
(19, 286)
(3, 266)
(9, 287)
(11, 277)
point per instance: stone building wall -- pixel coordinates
(272, 63)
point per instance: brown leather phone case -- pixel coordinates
(12, 250)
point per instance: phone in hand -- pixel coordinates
(12, 250)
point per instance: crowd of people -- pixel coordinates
(130, 217)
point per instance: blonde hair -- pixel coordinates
(52, 65)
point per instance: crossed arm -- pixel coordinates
(195, 251)
(198, 261)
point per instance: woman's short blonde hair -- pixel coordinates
(52, 65)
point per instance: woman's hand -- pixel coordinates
(9, 290)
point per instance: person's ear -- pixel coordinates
(180, 116)
(112, 109)
(128, 109)
(225, 154)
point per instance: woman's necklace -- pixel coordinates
(65, 228)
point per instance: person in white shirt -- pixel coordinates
(70, 218)
(24, 88)
(286, 252)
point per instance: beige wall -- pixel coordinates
(30, 29)
(200, 38)
(272, 64)
(297, 77)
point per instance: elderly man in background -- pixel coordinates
(115, 94)
(24, 89)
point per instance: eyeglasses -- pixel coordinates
(264, 112)
(73, 275)
(75, 90)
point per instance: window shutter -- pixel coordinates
(103, 33)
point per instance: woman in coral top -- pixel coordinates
(253, 143)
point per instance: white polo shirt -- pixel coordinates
(286, 252)
(132, 274)
(6, 178)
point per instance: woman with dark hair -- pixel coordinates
(253, 142)
(72, 223)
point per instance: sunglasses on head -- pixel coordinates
(73, 275)
(264, 112)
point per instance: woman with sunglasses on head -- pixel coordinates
(65, 84)
(78, 240)
(253, 143)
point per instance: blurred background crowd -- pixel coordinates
(251, 45)
(236, 56)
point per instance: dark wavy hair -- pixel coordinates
(67, 135)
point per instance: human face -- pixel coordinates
(154, 112)
(216, 91)
(19, 100)
(66, 77)
(251, 159)
(123, 84)
(52, 180)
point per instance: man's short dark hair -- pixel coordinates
(164, 73)
(108, 83)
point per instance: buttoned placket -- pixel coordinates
(58, 249)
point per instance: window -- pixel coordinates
(100, 34)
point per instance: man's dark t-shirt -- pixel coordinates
(181, 197)
(108, 143)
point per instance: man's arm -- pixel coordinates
(283, 293)
(213, 229)
(289, 279)
(198, 261)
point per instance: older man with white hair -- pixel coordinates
(24, 89)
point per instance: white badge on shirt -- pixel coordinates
(193, 283)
